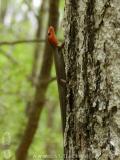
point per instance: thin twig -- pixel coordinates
(24, 41)
(21, 41)
(9, 56)
(42, 81)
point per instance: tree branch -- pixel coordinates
(9, 56)
(22, 41)
(2, 43)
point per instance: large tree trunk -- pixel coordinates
(92, 47)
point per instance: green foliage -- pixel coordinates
(16, 91)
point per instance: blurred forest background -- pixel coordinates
(20, 68)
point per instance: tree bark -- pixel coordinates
(92, 47)
(41, 88)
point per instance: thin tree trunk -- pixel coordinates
(38, 47)
(39, 99)
(50, 146)
(3, 9)
(92, 47)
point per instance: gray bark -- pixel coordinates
(92, 47)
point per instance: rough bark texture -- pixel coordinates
(41, 88)
(92, 47)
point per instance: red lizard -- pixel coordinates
(52, 37)
(60, 72)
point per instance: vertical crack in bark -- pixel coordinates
(72, 79)
(104, 10)
(98, 81)
(89, 41)
(108, 87)
(93, 95)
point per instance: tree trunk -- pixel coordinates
(3, 9)
(38, 50)
(49, 145)
(92, 47)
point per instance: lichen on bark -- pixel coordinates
(92, 36)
